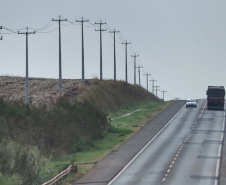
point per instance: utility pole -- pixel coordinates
(100, 30)
(1, 36)
(147, 74)
(139, 73)
(153, 84)
(126, 43)
(163, 92)
(60, 66)
(83, 65)
(27, 86)
(156, 90)
(135, 56)
(114, 54)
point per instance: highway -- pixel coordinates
(179, 147)
(186, 152)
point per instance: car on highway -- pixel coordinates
(191, 103)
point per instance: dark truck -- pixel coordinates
(215, 97)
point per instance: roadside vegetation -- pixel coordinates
(36, 142)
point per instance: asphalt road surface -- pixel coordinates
(186, 151)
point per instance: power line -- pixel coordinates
(106, 25)
(50, 23)
(47, 31)
(132, 49)
(73, 22)
(121, 37)
(93, 24)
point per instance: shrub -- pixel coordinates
(10, 180)
(25, 162)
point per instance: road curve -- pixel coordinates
(105, 170)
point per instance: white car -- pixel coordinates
(191, 103)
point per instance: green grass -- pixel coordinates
(123, 128)
(148, 110)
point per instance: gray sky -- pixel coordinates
(182, 43)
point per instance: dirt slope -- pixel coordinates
(41, 90)
(107, 94)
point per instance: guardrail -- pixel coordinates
(62, 174)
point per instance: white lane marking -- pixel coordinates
(144, 148)
(219, 153)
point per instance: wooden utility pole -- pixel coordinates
(1, 36)
(147, 74)
(139, 73)
(114, 54)
(126, 75)
(153, 84)
(156, 89)
(163, 92)
(100, 30)
(60, 66)
(27, 85)
(135, 56)
(83, 65)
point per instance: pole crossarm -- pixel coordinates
(100, 30)
(83, 62)
(126, 75)
(59, 20)
(26, 33)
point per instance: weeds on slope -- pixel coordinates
(29, 135)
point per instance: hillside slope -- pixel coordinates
(105, 94)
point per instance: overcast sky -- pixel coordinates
(182, 43)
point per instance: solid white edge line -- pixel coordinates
(219, 153)
(144, 147)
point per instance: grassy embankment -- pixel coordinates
(124, 128)
(37, 142)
